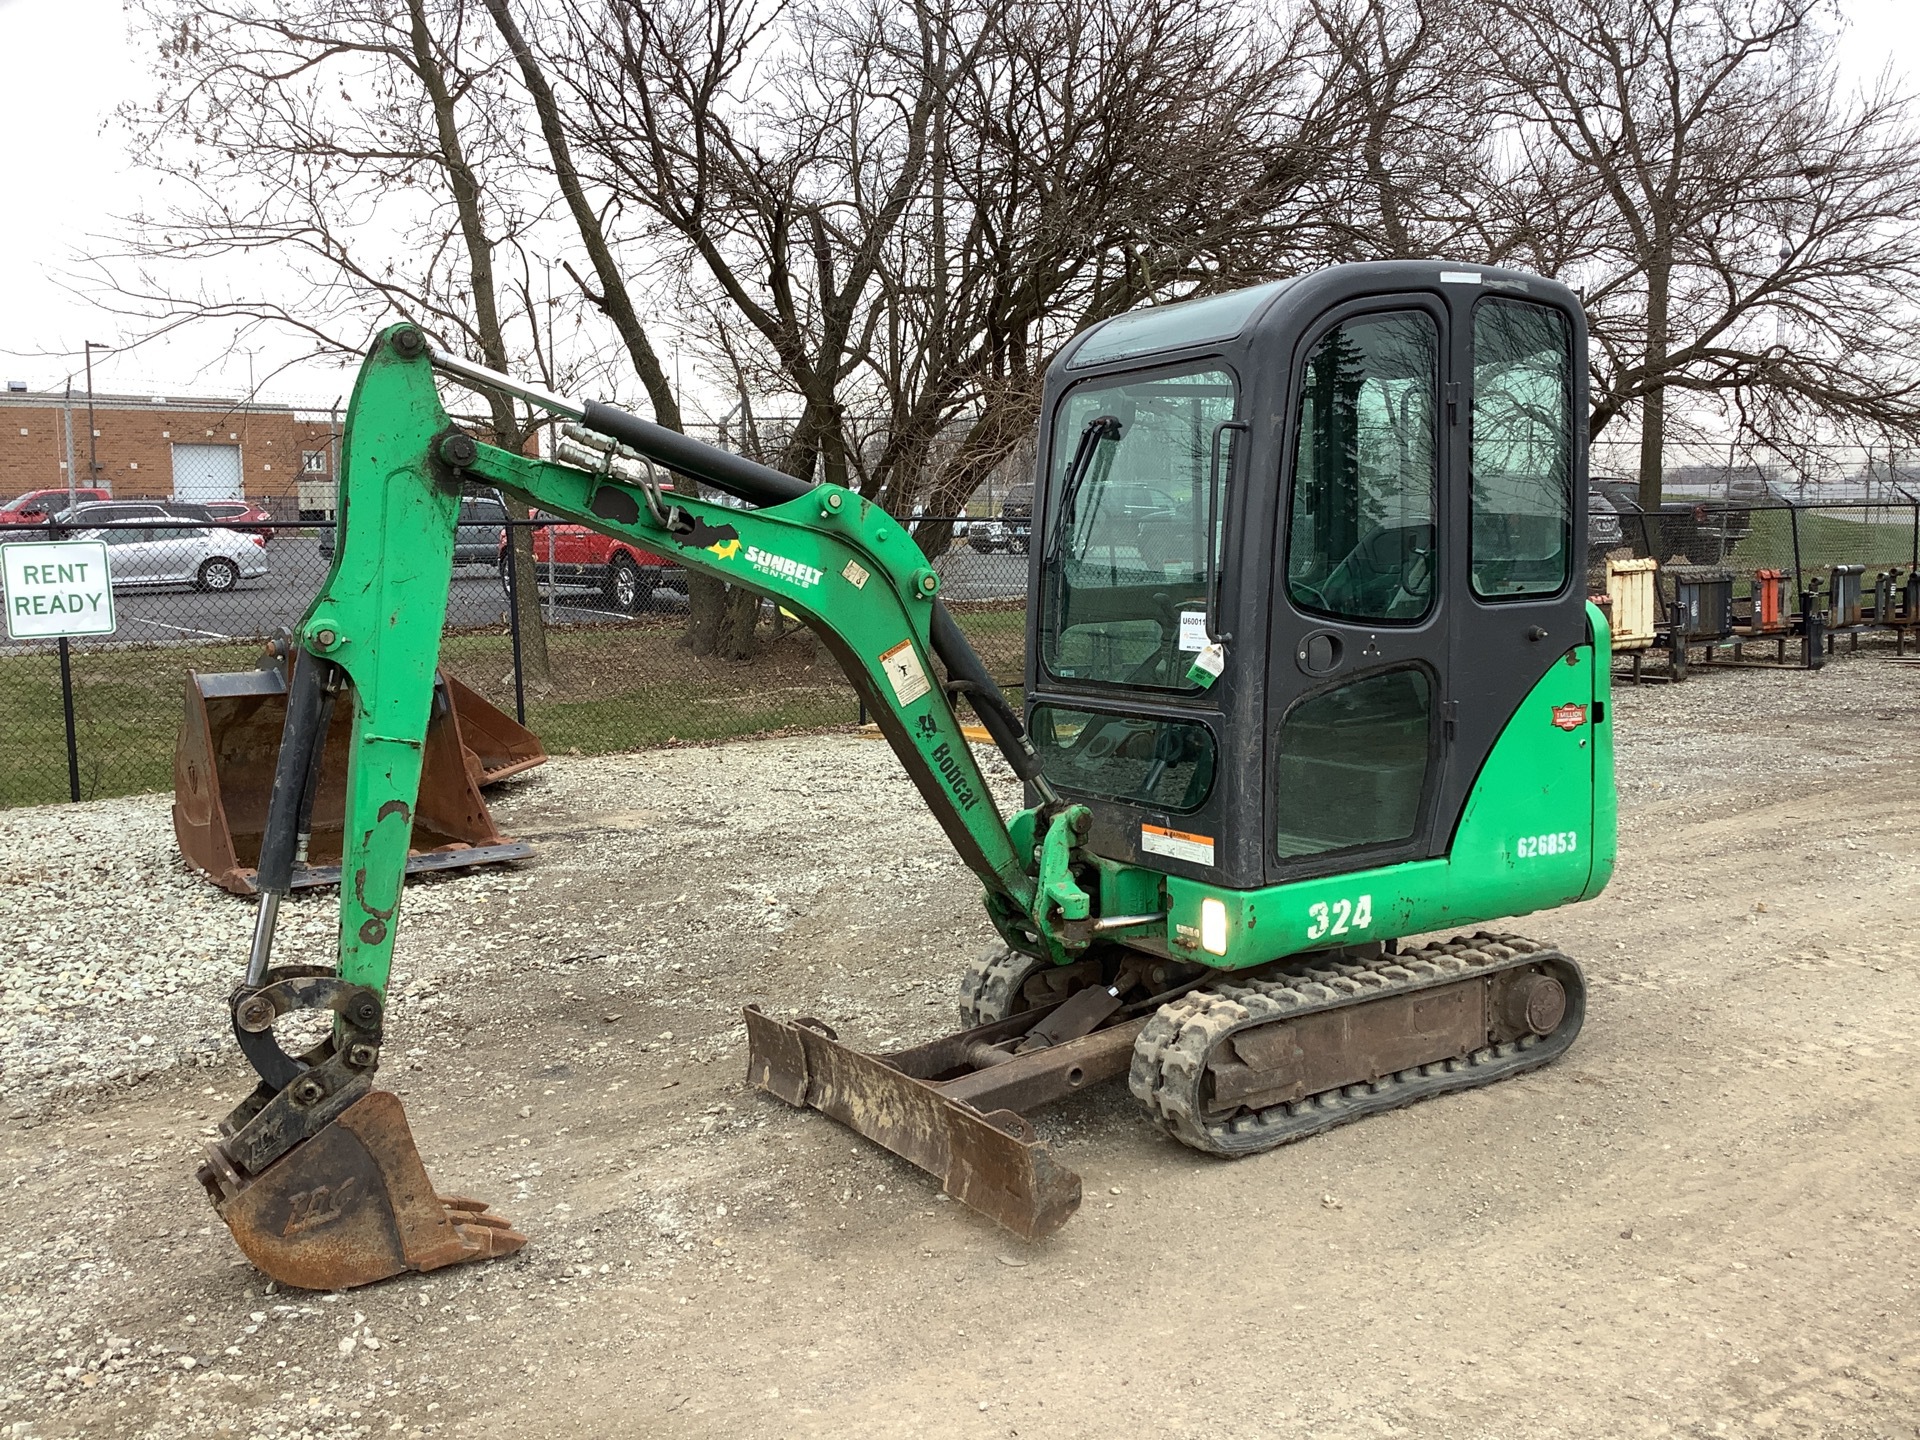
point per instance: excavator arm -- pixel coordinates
(316, 1173)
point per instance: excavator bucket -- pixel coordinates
(351, 1205)
(223, 766)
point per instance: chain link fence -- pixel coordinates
(193, 598)
(618, 675)
(1802, 541)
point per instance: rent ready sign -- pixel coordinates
(56, 587)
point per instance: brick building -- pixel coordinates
(169, 448)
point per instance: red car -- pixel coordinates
(574, 555)
(36, 507)
(243, 515)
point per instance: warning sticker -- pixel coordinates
(855, 575)
(904, 673)
(1569, 717)
(1176, 844)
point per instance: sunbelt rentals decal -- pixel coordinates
(792, 571)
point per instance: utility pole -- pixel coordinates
(69, 465)
(93, 460)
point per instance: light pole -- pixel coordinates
(93, 462)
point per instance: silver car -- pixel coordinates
(179, 554)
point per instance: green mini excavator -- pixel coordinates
(1310, 673)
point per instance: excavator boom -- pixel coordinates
(316, 1173)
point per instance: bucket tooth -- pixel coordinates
(352, 1205)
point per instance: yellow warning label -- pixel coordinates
(905, 673)
(1176, 844)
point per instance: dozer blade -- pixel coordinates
(351, 1205)
(223, 767)
(938, 1106)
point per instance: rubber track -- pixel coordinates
(1171, 1056)
(990, 985)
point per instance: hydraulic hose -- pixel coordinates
(302, 735)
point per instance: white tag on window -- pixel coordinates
(1193, 629)
(1207, 665)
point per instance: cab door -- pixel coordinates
(1519, 590)
(1358, 691)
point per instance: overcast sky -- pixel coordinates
(65, 65)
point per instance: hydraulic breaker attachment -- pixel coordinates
(223, 764)
(953, 1106)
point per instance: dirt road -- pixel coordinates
(1701, 1222)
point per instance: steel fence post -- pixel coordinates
(1793, 524)
(513, 622)
(66, 703)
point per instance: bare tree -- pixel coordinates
(373, 155)
(718, 618)
(1742, 227)
(1403, 169)
(903, 211)
(1088, 157)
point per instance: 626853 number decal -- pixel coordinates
(1561, 842)
(1340, 917)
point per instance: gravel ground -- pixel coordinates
(1698, 1223)
(123, 957)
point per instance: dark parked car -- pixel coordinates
(1016, 513)
(1603, 523)
(475, 542)
(990, 537)
(38, 506)
(1700, 531)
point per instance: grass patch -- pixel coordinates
(1825, 541)
(126, 710)
(615, 688)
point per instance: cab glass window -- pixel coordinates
(1522, 450)
(1352, 765)
(1126, 519)
(1135, 759)
(1361, 526)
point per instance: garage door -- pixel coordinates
(206, 472)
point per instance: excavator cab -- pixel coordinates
(1357, 496)
(1310, 676)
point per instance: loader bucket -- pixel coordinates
(351, 1205)
(223, 775)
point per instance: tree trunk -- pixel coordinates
(535, 666)
(705, 597)
(507, 430)
(735, 637)
(1653, 405)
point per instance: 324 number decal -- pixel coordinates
(1563, 842)
(1339, 917)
